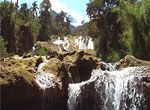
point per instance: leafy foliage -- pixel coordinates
(105, 28)
(63, 23)
(119, 27)
(136, 27)
(22, 26)
(45, 20)
(3, 51)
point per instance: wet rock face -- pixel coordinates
(126, 89)
(56, 67)
(81, 96)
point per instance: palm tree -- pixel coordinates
(69, 19)
(62, 17)
(34, 9)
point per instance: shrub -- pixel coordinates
(3, 50)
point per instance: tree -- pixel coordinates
(0, 19)
(45, 20)
(60, 22)
(34, 9)
(18, 27)
(24, 12)
(26, 40)
(104, 21)
(63, 23)
(69, 19)
(62, 17)
(135, 17)
(8, 26)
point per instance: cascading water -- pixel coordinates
(90, 44)
(80, 42)
(111, 90)
(45, 81)
(33, 48)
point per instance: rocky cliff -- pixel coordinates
(29, 83)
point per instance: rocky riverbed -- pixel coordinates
(46, 82)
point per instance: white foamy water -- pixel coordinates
(90, 44)
(75, 43)
(115, 90)
(74, 91)
(33, 48)
(58, 42)
(44, 79)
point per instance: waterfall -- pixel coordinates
(44, 79)
(111, 90)
(75, 43)
(33, 48)
(46, 82)
(90, 44)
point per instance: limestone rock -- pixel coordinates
(20, 91)
(130, 61)
(79, 65)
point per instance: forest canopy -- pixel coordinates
(118, 27)
(22, 26)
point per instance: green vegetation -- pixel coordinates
(120, 27)
(41, 51)
(61, 27)
(82, 30)
(3, 51)
(22, 26)
(136, 27)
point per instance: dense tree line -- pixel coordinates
(120, 27)
(82, 30)
(22, 26)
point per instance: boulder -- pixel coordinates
(79, 65)
(130, 61)
(45, 48)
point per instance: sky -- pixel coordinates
(76, 8)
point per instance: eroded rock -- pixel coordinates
(131, 61)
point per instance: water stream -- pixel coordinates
(108, 89)
(113, 90)
(75, 43)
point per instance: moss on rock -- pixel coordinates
(130, 61)
(79, 65)
(17, 83)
